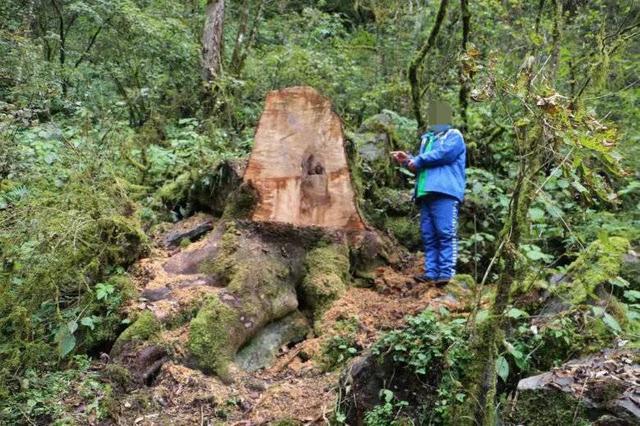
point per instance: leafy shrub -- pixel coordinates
(60, 280)
(72, 396)
(438, 352)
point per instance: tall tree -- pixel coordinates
(212, 40)
(463, 95)
(416, 62)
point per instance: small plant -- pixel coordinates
(337, 350)
(387, 413)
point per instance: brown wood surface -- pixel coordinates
(299, 165)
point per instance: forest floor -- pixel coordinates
(296, 387)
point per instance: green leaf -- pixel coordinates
(72, 326)
(611, 323)
(632, 295)
(536, 214)
(502, 368)
(516, 313)
(619, 282)
(66, 343)
(386, 395)
(104, 290)
(88, 322)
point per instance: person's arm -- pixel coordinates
(445, 150)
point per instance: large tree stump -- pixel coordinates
(299, 165)
(294, 256)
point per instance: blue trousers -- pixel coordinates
(438, 223)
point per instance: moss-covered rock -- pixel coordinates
(546, 408)
(327, 276)
(208, 189)
(599, 263)
(405, 230)
(144, 328)
(211, 336)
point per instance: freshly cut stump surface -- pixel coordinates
(299, 166)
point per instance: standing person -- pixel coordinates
(440, 181)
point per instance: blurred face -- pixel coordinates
(439, 113)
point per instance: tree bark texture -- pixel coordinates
(463, 95)
(212, 45)
(417, 61)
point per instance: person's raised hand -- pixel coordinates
(400, 156)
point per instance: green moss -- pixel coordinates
(210, 336)
(599, 263)
(118, 374)
(405, 230)
(145, 327)
(176, 191)
(224, 265)
(327, 276)
(558, 408)
(240, 203)
(480, 389)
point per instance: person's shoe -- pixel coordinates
(441, 282)
(422, 278)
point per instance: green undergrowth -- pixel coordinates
(339, 343)
(75, 395)
(598, 264)
(436, 350)
(62, 278)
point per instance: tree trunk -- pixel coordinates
(299, 166)
(417, 61)
(463, 95)
(246, 37)
(212, 45)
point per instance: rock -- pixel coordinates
(604, 388)
(188, 261)
(263, 348)
(298, 165)
(155, 294)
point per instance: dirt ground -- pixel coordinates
(296, 388)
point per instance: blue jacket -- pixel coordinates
(441, 163)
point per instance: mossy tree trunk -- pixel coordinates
(416, 62)
(463, 94)
(530, 141)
